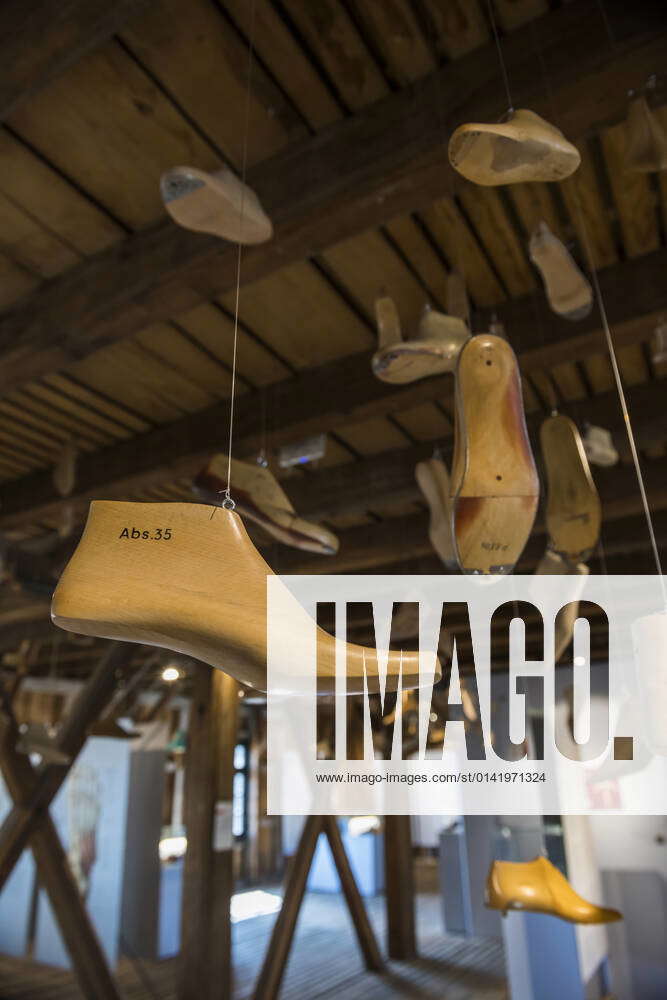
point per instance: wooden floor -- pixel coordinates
(325, 963)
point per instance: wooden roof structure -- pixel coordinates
(117, 326)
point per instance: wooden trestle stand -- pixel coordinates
(29, 822)
(277, 953)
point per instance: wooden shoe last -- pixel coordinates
(259, 497)
(539, 887)
(216, 203)
(433, 480)
(522, 148)
(573, 512)
(494, 482)
(432, 352)
(568, 292)
(187, 577)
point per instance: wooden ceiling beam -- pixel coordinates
(322, 399)
(405, 539)
(39, 40)
(388, 159)
(357, 487)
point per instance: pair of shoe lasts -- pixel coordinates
(539, 887)
(259, 497)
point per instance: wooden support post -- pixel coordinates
(277, 953)
(208, 879)
(399, 888)
(55, 875)
(355, 903)
(33, 797)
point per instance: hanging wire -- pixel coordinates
(501, 59)
(459, 223)
(590, 259)
(228, 503)
(607, 25)
(620, 390)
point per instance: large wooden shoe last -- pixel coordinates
(573, 512)
(259, 497)
(495, 489)
(522, 148)
(187, 577)
(216, 203)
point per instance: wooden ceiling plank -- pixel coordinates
(41, 39)
(76, 414)
(335, 454)
(372, 436)
(367, 266)
(165, 342)
(661, 176)
(30, 245)
(203, 63)
(394, 509)
(462, 251)
(44, 195)
(397, 35)
(52, 422)
(105, 124)
(534, 203)
(15, 281)
(545, 387)
(24, 440)
(598, 370)
(301, 316)
(589, 217)
(332, 36)
(512, 14)
(485, 209)
(425, 422)
(287, 61)
(631, 361)
(633, 196)
(155, 391)
(415, 246)
(459, 25)
(376, 169)
(530, 400)
(112, 410)
(569, 381)
(215, 331)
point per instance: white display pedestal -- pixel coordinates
(541, 958)
(466, 851)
